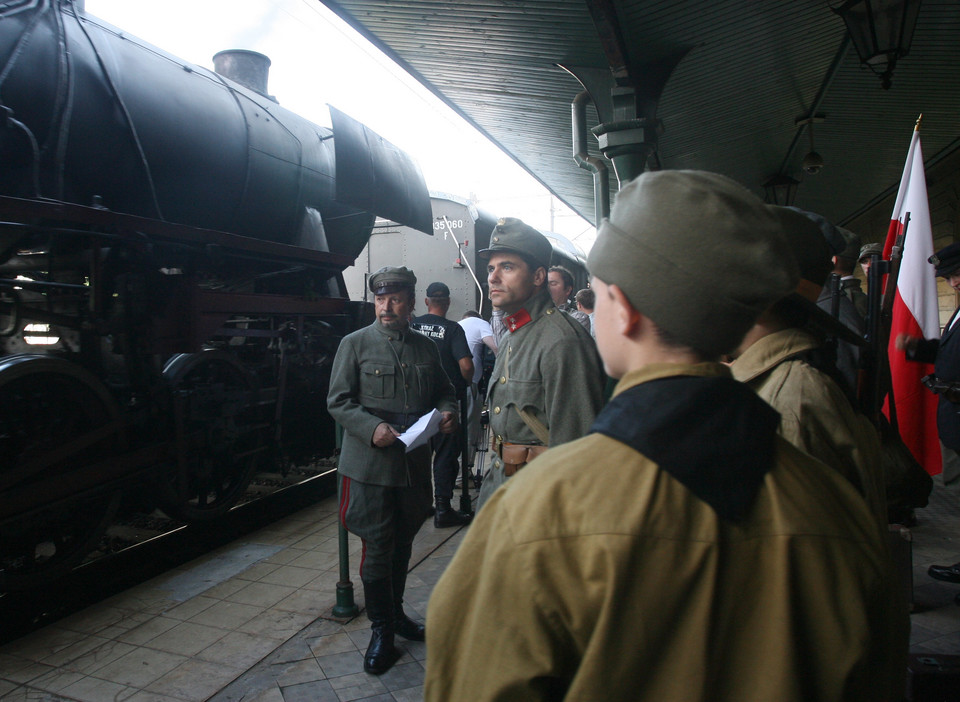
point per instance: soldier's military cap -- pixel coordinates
(867, 250)
(511, 234)
(852, 248)
(830, 232)
(390, 279)
(947, 260)
(697, 253)
(812, 251)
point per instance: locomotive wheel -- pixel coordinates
(218, 436)
(44, 403)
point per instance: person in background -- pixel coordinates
(944, 354)
(585, 301)
(457, 362)
(497, 325)
(784, 359)
(681, 550)
(479, 336)
(560, 285)
(866, 251)
(384, 377)
(547, 383)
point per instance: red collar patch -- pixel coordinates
(517, 320)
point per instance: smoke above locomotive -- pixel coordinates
(92, 116)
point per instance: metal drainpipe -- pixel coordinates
(601, 181)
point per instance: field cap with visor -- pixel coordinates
(867, 250)
(391, 279)
(511, 234)
(946, 260)
(697, 253)
(807, 238)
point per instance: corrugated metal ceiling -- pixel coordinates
(730, 105)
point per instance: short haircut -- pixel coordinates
(586, 297)
(470, 313)
(566, 274)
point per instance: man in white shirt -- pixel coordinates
(479, 333)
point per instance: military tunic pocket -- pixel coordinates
(376, 380)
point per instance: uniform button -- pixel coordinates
(406, 406)
(503, 379)
(376, 372)
(406, 385)
(499, 439)
(549, 311)
(403, 365)
(496, 464)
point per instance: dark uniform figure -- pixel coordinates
(944, 354)
(457, 360)
(384, 377)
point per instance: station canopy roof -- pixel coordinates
(748, 81)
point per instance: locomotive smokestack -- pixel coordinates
(248, 68)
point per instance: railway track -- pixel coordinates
(140, 545)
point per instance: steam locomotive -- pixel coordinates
(172, 243)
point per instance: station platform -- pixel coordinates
(252, 621)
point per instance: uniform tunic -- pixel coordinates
(815, 415)
(598, 575)
(378, 369)
(549, 367)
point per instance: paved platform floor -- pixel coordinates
(247, 622)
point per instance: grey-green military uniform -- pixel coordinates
(549, 367)
(386, 372)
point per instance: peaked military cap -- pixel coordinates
(867, 250)
(390, 279)
(511, 234)
(947, 260)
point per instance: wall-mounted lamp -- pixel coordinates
(881, 31)
(781, 189)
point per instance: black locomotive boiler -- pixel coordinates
(171, 293)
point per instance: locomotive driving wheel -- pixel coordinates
(55, 419)
(218, 436)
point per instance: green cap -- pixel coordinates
(390, 279)
(511, 234)
(697, 253)
(868, 250)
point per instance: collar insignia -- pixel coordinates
(517, 320)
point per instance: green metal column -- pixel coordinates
(345, 607)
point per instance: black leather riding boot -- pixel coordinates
(402, 624)
(447, 516)
(381, 653)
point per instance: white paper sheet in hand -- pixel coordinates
(422, 430)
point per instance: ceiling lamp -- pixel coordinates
(781, 189)
(881, 31)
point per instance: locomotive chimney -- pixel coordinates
(248, 68)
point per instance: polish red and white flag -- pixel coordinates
(915, 311)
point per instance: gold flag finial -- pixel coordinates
(919, 120)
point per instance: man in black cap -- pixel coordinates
(681, 550)
(547, 384)
(457, 361)
(944, 354)
(385, 377)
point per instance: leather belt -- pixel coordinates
(398, 418)
(515, 456)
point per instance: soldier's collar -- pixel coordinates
(539, 304)
(395, 334)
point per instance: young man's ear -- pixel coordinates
(627, 317)
(540, 276)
